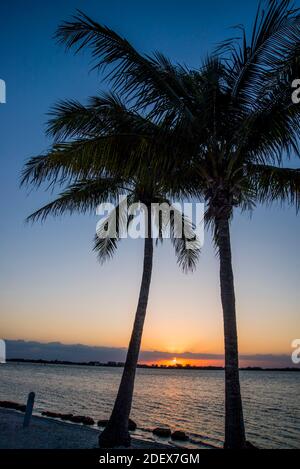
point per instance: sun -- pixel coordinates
(174, 361)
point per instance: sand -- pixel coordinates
(45, 433)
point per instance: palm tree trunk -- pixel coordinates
(234, 421)
(116, 432)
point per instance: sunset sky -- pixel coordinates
(52, 288)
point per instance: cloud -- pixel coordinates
(59, 351)
(85, 353)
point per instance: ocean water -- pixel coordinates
(187, 400)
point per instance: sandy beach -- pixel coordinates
(44, 433)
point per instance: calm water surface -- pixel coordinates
(186, 400)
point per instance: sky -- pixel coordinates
(52, 289)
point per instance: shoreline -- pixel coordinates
(143, 366)
(47, 433)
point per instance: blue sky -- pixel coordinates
(51, 286)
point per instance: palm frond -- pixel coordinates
(275, 35)
(145, 80)
(83, 197)
(109, 232)
(104, 114)
(71, 119)
(272, 129)
(86, 158)
(276, 184)
(184, 240)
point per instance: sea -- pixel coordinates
(188, 400)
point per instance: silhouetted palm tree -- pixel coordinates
(93, 160)
(233, 124)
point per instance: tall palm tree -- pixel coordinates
(92, 157)
(233, 124)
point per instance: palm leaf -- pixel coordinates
(109, 232)
(84, 196)
(143, 79)
(275, 35)
(184, 240)
(273, 184)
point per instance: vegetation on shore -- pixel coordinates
(145, 366)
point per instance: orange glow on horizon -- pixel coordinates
(183, 362)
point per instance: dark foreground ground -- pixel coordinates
(44, 433)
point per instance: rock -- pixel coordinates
(70, 417)
(13, 405)
(162, 432)
(53, 415)
(179, 436)
(66, 416)
(82, 419)
(102, 423)
(132, 426)
(57, 415)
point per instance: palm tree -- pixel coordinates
(233, 124)
(93, 160)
